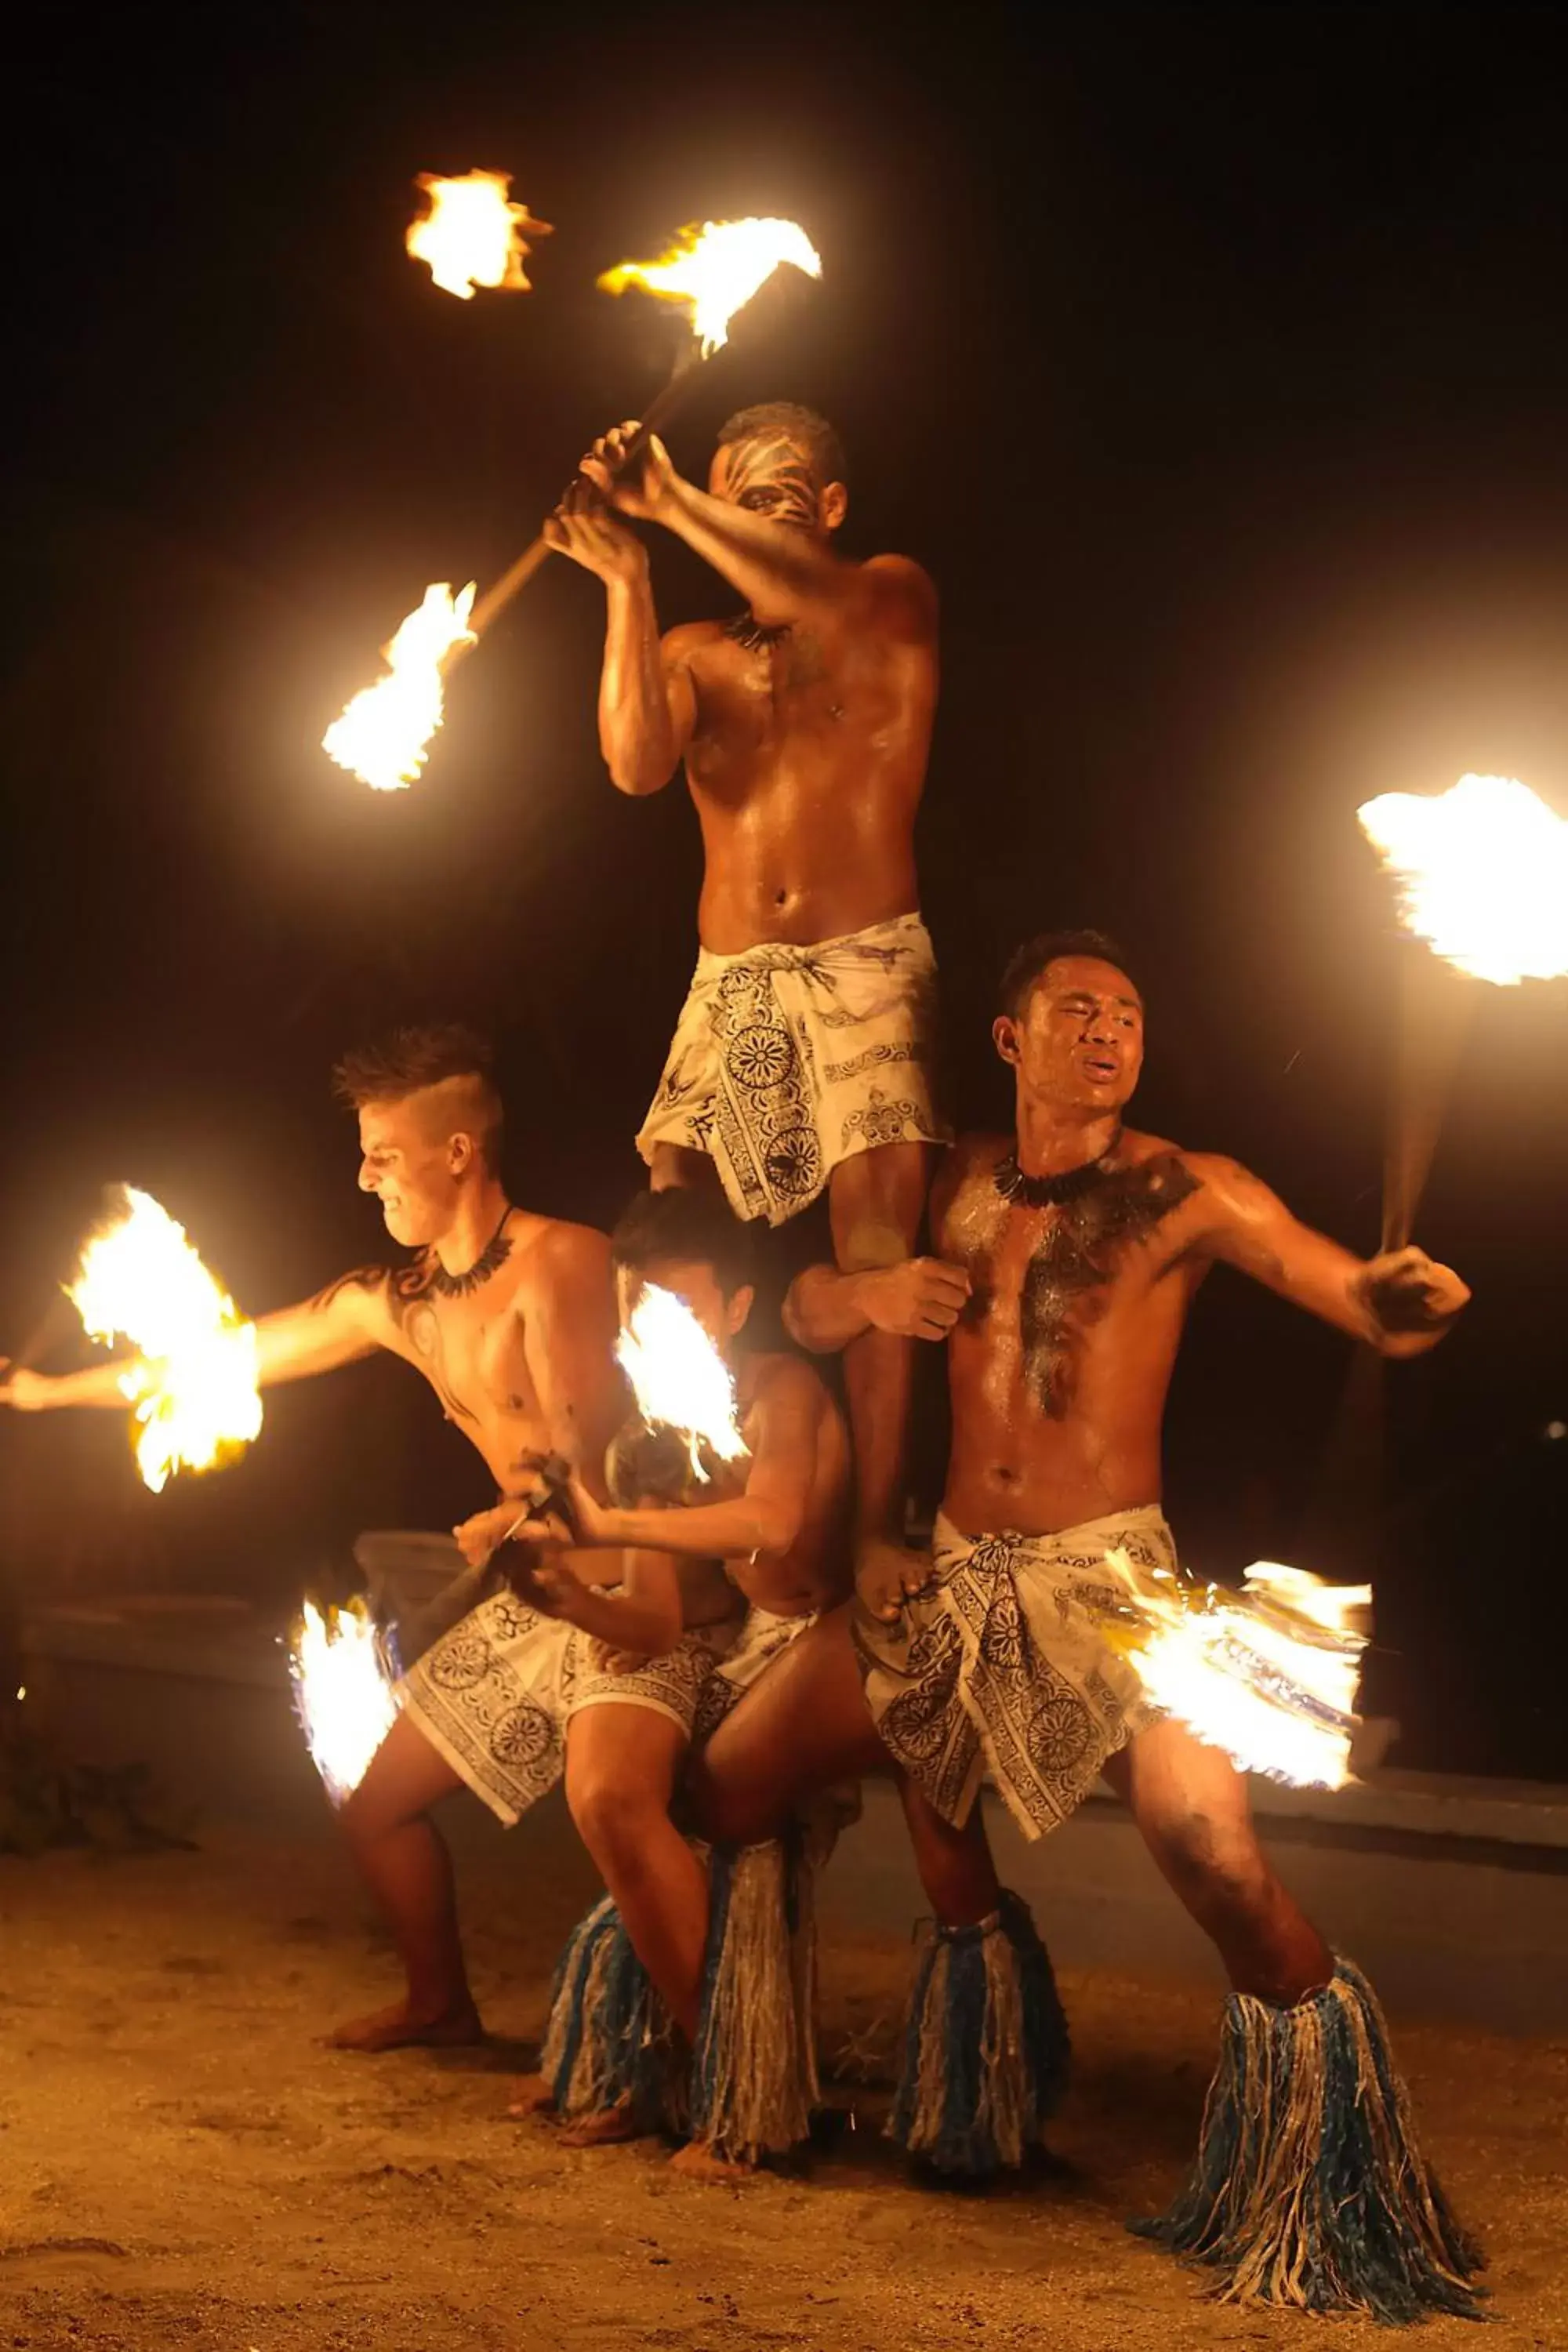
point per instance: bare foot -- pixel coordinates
(403, 2028)
(605, 2128)
(534, 2097)
(695, 2162)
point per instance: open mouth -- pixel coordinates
(1101, 1067)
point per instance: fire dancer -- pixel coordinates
(1081, 1245)
(772, 1529)
(511, 1319)
(801, 1060)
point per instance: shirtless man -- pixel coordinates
(1077, 1246)
(801, 1058)
(511, 1319)
(772, 1532)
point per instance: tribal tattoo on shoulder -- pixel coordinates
(406, 1292)
(1076, 1261)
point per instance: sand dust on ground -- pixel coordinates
(182, 2166)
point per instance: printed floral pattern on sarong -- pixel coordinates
(787, 1060)
(1001, 1669)
(496, 1693)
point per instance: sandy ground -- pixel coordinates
(181, 2166)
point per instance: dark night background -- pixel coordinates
(1216, 362)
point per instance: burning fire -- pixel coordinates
(383, 735)
(342, 1691)
(678, 1378)
(1268, 1675)
(1483, 871)
(472, 235)
(716, 269)
(193, 1386)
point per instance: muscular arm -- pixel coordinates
(345, 1320)
(648, 702)
(569, 1345)
(1401, 1304)
(644, 1615)
(787, 575)
(916, 1298)
(767, 1518)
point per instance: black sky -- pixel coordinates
(1216, 362)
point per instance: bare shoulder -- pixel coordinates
(565, 1260)
(1229, 1184)
(902, 585)
(687, 639)
(359, 1296)
(971, 1159)
(788, 1382)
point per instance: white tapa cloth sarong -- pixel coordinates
(496, 1693)
(787, 1060)
(1002, 1668)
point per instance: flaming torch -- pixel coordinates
(384, 736)
(343, 1693)
(472, 235)
(193, 1385)
(678, 1378)
(1482, 877)
(1268, 1675)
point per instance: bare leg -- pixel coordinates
(876, 1202)
(956, 1865)
(621, 1765)
(1190, 1805)
(404, 1861)
(804, 1723)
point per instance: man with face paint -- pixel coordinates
(801, 1062)
(511, 1317)
(1075, 1247)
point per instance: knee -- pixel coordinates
(724, 1813)
(1220, 1875)
(367, 1813)
(611, 1814)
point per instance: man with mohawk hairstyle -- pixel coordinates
(511, 1317)
(802, 1061)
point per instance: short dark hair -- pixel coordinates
(409, 1060)
(686, 1225)
(775, 420)
(1029, 963)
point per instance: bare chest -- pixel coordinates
(802, 701)
(470, 1348)
(1064, 1292)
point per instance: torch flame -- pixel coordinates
(716, 269)
(194, 1385)
(678, 1378)
(1268, 1675)
(1483, 871)
(343, 1693)
(383, 735)
(472, 235)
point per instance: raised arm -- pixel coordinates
(1401, 1304)
(346, 1319)
(648, 702)
(785, 574)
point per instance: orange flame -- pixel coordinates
(193, 1386)
(472, 235)
(715, 270)
(1482, 873)
(383, 736)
